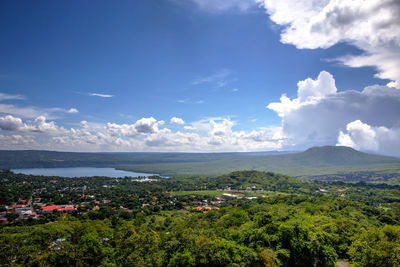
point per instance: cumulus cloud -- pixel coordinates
(221, 127)
(175, 120)
(142, 126)
(372, 26)
(10, 123)
(73, 110)
(148, 125)
(309, 91)
(40, 125)
(362, 136)
(146, 134)
(320, 112)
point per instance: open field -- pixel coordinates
(241, 194)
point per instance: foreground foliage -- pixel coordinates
(300, 227)
(280, 232)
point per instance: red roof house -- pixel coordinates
(49, 208)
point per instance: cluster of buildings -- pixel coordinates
(20, 211)
(50, 209)
(32, 208)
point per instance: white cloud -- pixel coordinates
(10, 123)
(4, 96)
(31, 112)
(73, 110)
(175, 120)
(147, 125)
(319, 112)
(146, 134)
(142, 126)
(372, 26)
(40, 125)
(309, 91)
(221, 127)
(362, 136)
(84, 124)
(189, 101)
(15, 141)
(189, 128)
(101, 95)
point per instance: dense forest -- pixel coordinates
(244, 218)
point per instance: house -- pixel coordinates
(66, 209)
(49, 209)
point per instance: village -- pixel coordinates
(40, 199)
(81, 202)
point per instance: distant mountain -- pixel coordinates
(48, 159)
(340, 155)
(313, 161)
(44, 158)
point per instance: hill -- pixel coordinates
(314, 161)
(341, 155)
(48, 159)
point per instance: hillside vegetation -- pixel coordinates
(165, 223)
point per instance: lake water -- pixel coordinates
(81, 172)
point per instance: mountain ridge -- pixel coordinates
(313, 161)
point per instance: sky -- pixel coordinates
(200, 75)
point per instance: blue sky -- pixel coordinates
(94, 72)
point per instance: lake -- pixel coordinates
(81, 172)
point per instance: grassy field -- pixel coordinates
(198, 193)
(221, 192)
(217, 168)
